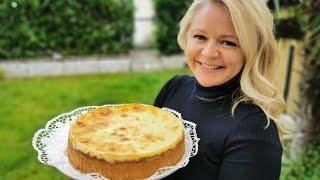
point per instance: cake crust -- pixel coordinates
(125, 170)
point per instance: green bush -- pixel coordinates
(168, 16)
(307, 168)
(74, 27)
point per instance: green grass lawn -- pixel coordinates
(27, 104)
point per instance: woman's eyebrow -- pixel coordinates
(228, 36)
(221, 36)
(197, 30)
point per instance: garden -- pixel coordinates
(37, 29)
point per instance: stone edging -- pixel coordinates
(32, 68)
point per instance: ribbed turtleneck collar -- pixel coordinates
(216, 92)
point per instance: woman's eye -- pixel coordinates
(228, 43)
(200, 37)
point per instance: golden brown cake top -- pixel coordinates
(126, 132)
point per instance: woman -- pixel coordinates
(231, 51)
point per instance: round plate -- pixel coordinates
(51, 143)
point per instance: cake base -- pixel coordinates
(126, 170)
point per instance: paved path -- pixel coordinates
(136, 61)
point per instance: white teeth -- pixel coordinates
(209, 67)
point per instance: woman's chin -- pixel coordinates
(207, 82)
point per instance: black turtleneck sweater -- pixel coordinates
(230, 148)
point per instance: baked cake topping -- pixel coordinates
(128, 132)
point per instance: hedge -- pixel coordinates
(307, 167)
(73, 27)
(168, 16)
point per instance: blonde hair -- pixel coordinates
(253, 23)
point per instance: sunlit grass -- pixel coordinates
(27, 104)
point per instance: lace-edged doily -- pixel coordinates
(51, 143)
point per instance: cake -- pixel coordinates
(129, 141)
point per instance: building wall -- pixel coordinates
(293, 93)
(144, 24)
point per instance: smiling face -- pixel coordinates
(213, 51)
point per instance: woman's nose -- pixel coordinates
(210, 50)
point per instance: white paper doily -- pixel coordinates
(51, 143)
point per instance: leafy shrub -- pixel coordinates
(168, 16)
(40, 27)
(307, 168)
